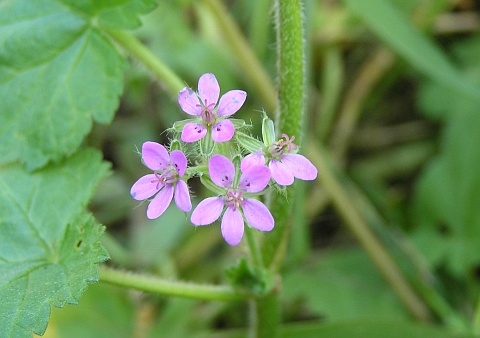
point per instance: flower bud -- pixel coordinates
(176, 145)
(268, 130)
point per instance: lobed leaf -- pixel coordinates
(49, 247)
(447, 198)
(448, 191)
(57, 73)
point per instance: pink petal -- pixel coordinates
(193, 132)
(300, 166)
(232, 226)
(222, 171)
(182, 197)
(231, 102)
(281, 173)
(160, 203)
(257, 215)
(207, 211)
(208, 89)
(252, 159)
(255, 179)
(188, 101)
(223, 131)
(155, 156)
(145, 187)
(179, 161)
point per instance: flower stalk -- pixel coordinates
(170, 288)
(161, 71)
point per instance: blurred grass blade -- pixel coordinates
(391, 25)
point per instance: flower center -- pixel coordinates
(168, 176)
(207, 113)
(234, 199)
(282, 146)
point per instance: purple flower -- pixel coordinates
(283, 165)
(165, 180)
(209, 115)
(238, 206)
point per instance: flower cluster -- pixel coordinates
(236, 180)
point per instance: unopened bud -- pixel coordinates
(176, 145)
(268, 130)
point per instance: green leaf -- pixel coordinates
(249, 278)
(57, 72)
(440, 102)
(342, 284)
(358, 328)
(447, 198)
(448, 191)
(116, 14)
(367, 328)
(49, 246)
(395, 29)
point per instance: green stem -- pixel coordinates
(169, 288)
(161, 71)
(266, 317)
(289, 118)
(253, 246)
(476, 320)
(249, 63)
(291, 75)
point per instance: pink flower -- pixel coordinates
(165, 180)
(235, 199)
(209, 115)
(283, 165)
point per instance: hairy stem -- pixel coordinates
(253, 246)
(170, 288)
(289, 117)
(165, 75)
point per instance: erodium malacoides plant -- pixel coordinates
(238, 173)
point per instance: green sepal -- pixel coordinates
(178, 126)
(239, 123)
(268, 130)
(176, 145)
(207, 145)
(248, 142)
(237, 160)
(207, 182)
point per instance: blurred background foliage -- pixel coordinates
(404, 136)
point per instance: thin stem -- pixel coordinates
(362, 86)
(476, 320)
(253, 246)
(266, 317)
(380, 257)
(332, 85)
(242, 51)
(162, 72)
(169, 288)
